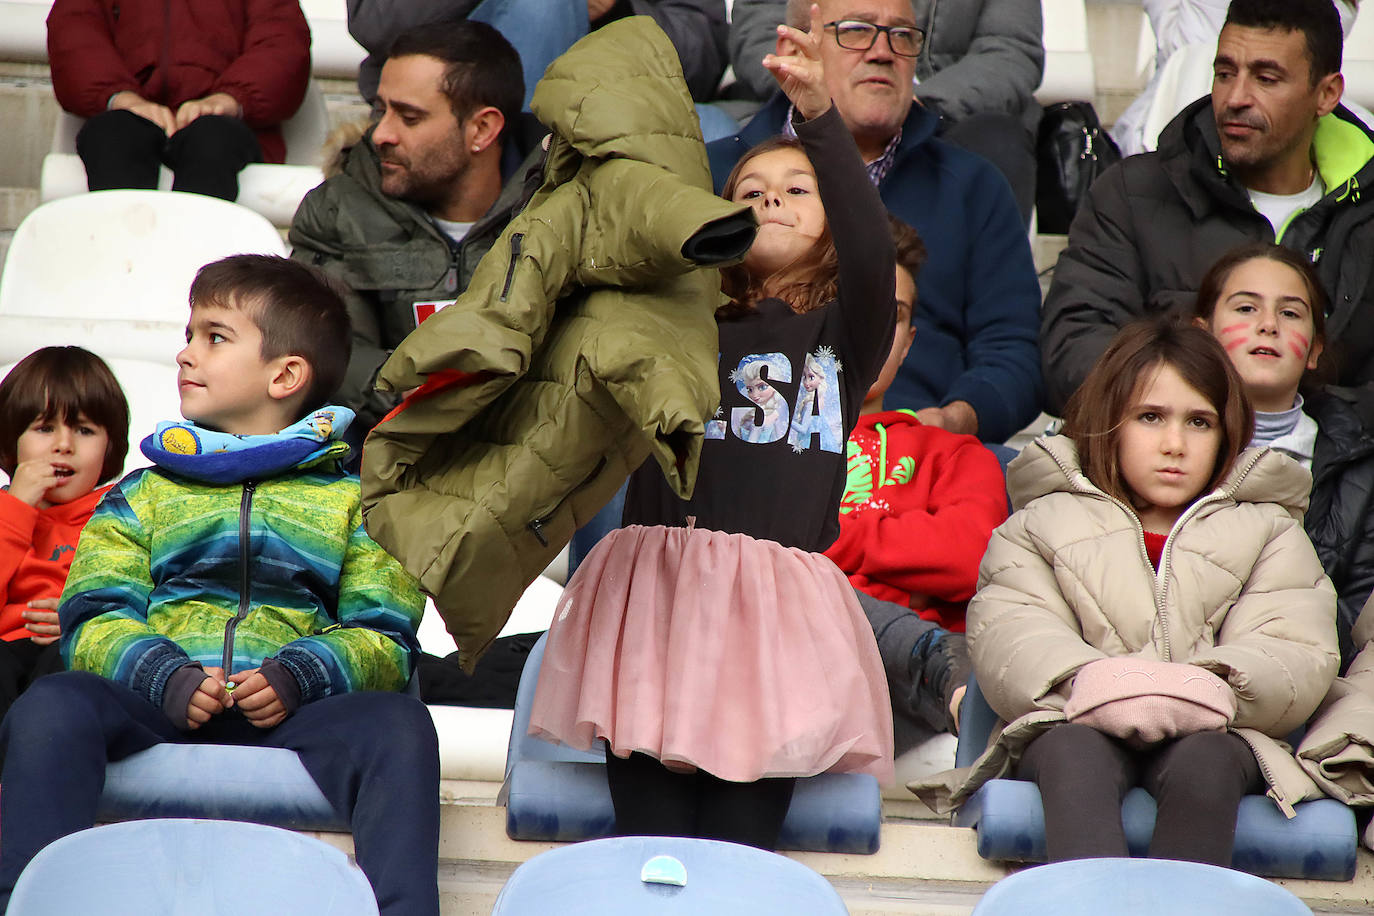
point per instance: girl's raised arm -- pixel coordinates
(853, 209)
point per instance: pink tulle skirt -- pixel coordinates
(717, 651)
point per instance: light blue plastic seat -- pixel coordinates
(1320, 842)
(665, 875)
(556, 793)
(209, 868)
(1135, 887)
(265, 785)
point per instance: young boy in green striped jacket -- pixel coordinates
(229, 594)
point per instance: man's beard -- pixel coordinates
(431, 183)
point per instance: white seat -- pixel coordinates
(275, 191)
(110, 270)
(473, 740)
(1358, 63)
(1069, 72)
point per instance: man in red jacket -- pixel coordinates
(915, 518)
(200, 86)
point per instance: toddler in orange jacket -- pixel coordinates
(64, 428)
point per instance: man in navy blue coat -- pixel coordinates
(975, 364)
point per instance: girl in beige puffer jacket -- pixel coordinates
(1154, 589)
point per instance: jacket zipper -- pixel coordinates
(536, 525)
(451, 278)
(1274, 792)
(1161, 590)
(245, 580)
(515, 240)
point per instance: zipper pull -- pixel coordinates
(451, 278)
(537, 526)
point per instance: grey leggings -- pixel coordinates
(1197, 783)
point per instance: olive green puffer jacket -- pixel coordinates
(585, 342)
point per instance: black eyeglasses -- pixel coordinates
(857, 35)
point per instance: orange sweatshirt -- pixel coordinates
(36, 550)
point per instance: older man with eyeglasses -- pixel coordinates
(975, 364)
(978, 70)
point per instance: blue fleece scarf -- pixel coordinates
(214, 457)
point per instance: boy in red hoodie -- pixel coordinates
(917, 512)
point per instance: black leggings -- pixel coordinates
(122, 150)
(1197, 783)
(651, 800)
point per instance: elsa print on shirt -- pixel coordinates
(767, 420)
(817, 412)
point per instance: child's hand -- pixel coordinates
(209, 700)
(32, 480)
(801, 73)
(255, 697)
(41, 618)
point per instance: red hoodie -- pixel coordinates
(36, 550)
(917, 512)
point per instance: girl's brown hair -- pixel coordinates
(1214, 282)
(806, 284)
(1100, 407)
(63, 383)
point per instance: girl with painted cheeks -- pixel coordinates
(1267, 306)
(1152, 614)
(709, 642)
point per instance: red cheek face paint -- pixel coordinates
(1234, 344)
(1300, 346)
(1232, 328)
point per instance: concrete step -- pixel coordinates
(924, 867)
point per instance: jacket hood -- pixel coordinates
(1343, 149)
(1260, 475)
(615, 97)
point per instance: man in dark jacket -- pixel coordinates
(420, 198)
(1269, 155)
(974, 366)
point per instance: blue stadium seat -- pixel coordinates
(557, 793)
(665, 875)
(210, 868)
(1319, 842)
(1135, 887)
(265, 785)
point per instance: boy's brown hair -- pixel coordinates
(298, 309)
(815, 279)
(911, 256)
(62, 383)
(1099, 408)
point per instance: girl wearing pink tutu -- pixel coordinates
(709, 642)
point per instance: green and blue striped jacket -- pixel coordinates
(157, 580)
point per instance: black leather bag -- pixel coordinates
(1071, 150)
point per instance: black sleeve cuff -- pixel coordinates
(176, 696)
(283, 682)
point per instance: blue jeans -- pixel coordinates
(373, 755)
